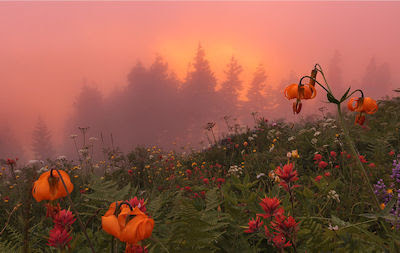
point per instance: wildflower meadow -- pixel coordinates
(327, 185)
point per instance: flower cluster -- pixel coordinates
(279, 229)
(287, 176)
(60, 235)
(235, 171)
(333, 195)
(385, 194)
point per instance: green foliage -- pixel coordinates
(106, 191)
(202, 202)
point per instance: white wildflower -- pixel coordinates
(255, 136)
(291, 138)
(92, 139)
(61, 157)
(289, 154)
(34, 163)
(317, 133)
(151, 157)
(250, 138)
(333, 195)
(235, 170)
(314, 141)
(334, 228)
(73, 136)
(260, 175)
(84, 152)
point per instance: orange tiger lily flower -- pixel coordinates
(362, 105)
(50, 187)
(138, 228)
(299, 92)
(131, 232)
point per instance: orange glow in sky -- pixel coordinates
(47, 49)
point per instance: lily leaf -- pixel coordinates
(332, 99)
(345, 95)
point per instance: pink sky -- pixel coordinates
(48, 48)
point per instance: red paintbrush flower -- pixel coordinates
(133, 248)
(135, 202)
(254, 225)
(322, 165)
(318, 178)
(287, 176)
(59, 238)
(317, 158)
(271, 207)
(52, 211)
(362, 159)
(287, 226)
(64, 219)
(280, 241)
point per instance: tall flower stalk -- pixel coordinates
(361, 105)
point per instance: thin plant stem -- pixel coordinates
(356, 155)
(75, 211)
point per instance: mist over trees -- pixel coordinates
(10, 147)
(377, 79)
(155, 107)
(42, 145)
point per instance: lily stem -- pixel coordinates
(76, 212)
(356, 155)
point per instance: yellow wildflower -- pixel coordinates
(295, 154)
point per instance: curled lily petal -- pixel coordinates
(137, 229)
(291, 91)
(352, 104)
(109, 221)
(369, 105)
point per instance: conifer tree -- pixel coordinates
(231, 87)
(257, 101)
(42, 146)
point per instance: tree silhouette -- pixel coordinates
(151, 101)
(335, 74)
(42, 146)
(257, 101)
(377, 79)
(231, 87)
(201, 102)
